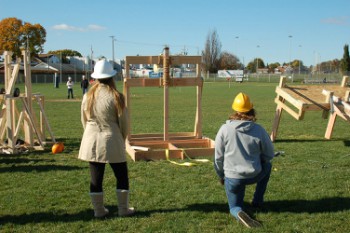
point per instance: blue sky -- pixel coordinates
(247, 28)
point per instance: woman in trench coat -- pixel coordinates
(104, 118)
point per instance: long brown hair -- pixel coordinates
(244, 116)
(119, 97)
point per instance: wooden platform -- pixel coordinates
(178, 146)
(296, 100)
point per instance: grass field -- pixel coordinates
(309, 190)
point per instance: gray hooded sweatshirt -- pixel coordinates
(240, 148)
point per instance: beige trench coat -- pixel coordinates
(103, 139)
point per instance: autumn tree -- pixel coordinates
(15, 34)
(211, 53)
(345, 62)
(228, 61)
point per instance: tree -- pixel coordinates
(335, 63)
(345, 62)
(64, 53)
(212, 51)
(256, 63)
(15, 34)
(273, 66)
(228, 61)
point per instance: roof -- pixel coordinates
(53, 67)
(57, 67)
(45, 55)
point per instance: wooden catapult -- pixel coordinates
(17, 111)
(167, 145)
(296, 100)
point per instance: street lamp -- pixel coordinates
(237, 37)
(257, 61)
(290, 48)
(113, 48)
(299, 61)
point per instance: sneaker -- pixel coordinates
(247, 221)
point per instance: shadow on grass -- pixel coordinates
(7, 160)
(57, 216)
(312, 140)
(325, 205)
(46, 217)
(203, 207)
(346, 142)
(38, 168)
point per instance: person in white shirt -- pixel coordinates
(70, 84)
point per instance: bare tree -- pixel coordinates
(212, 51)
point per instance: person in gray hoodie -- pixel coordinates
(243, 154)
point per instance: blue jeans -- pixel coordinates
(235, 189)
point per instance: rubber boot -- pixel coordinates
(123, 203)
(97, 202)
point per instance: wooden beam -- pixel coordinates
(10, 124)
(330, 125)
(344, 81)
(40, 102)
(142, 82)
(296, 115)
(142, 59)
(13, 79)
(175, 60)
(295, 102)
(166, 79)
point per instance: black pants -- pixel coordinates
(97, 171)
(70, 93)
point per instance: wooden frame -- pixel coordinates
(12, 120)
(338, 107)
(166, 145)
(296, 100)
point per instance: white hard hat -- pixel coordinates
(103, 69)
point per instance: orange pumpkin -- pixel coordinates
(57, 147)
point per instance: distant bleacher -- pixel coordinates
(320, 81)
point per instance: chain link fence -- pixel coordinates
(275, 78)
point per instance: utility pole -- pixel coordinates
(113, 48)
(257, 62)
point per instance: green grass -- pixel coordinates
(309, 190)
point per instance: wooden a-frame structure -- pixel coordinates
(17, 111)
(166, 145)
(296, 100)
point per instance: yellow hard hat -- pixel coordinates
(242, 103)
